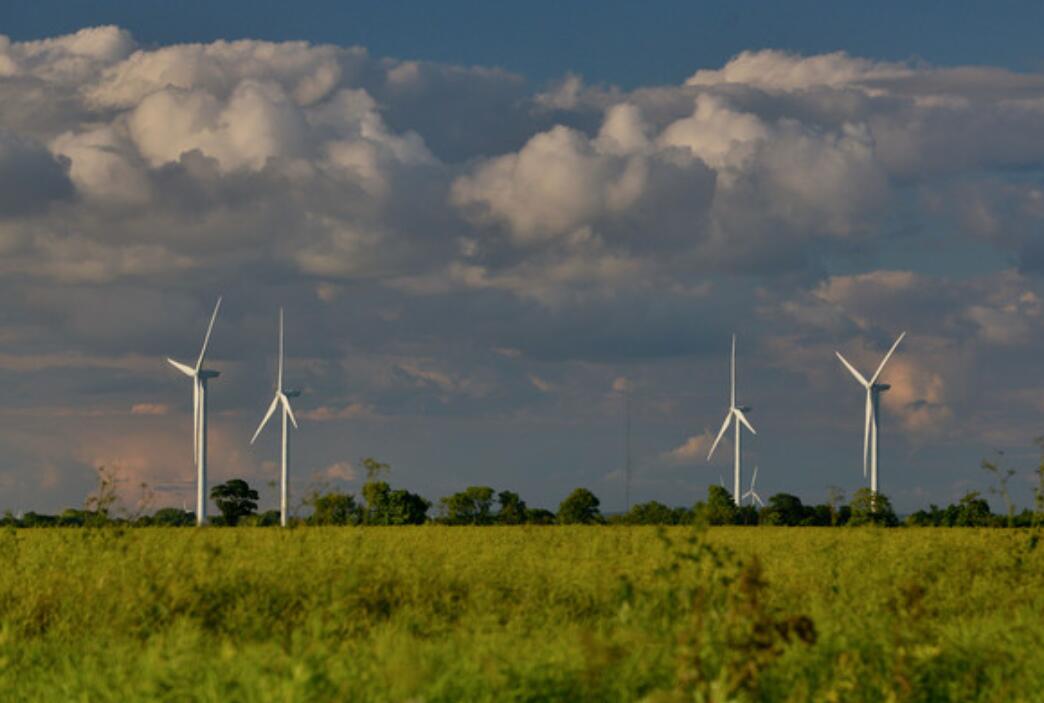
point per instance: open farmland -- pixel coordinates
(521, 613)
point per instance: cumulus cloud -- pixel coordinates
(783, 71)
(338, 471)
(693, 449)
(457, 242)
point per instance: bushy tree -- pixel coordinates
(972, 511)
(334, 508)
(269, 518)
(173, 517)
(387, 507)
(871, 509)
(472, 506)
(719, 508)
(540, 516)
(31, 519)
(655, 513)
(747, 515)
(783, 509)
(235, 499)
(512, 508)
(580, 508)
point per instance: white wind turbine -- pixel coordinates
(736, 415)
(200, 376)
(754, 497)
(281, 398)
(871, 426)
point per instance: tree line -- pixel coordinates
(380, 504)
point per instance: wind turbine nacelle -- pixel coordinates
(881, 387)
(745, 409)
(292, 394)
(208, 373)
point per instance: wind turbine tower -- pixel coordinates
(871, 425)
(736, 415)
(282, 398)
(627, 446)
(200, 376)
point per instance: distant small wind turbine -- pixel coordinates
(754, 497)
(281, 398)
(736, 415)
(871, 426)
(199, 377)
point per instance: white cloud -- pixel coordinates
(693, 449)
(783, 71)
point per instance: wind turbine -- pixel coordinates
(200, 376)
(754, 497)
(281, 398)
(871, 427)
(736, 415)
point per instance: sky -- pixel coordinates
(486, 224)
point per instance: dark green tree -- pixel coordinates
(654, 513)
(870, 509)
(719, 508)
(747, 515)
(512, 508)
(472, 506)
(973, 511)
(580, 508)
(31, 519)
(235, 499)
(334, 508)
(783, 509)
(173, 517)
(269, 518)
(387, 507)
(540, 516)
(71, 517)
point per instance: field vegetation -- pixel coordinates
(521, 613)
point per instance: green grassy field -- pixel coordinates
(521, 614)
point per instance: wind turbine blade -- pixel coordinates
(279, 386)
(271, 409)
(743, 419)
(289, 410)
(866, 426)
(183, 368)
(721, 433)
(753, 479)
(732, 378)
(859, 376)
(206, 339)
(886, 358)
(757, 498)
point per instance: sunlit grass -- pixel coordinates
(520, 613)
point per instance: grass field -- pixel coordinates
(521, 614)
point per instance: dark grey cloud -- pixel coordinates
(32, 176)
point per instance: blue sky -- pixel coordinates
(616, 41)
(484, 222)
